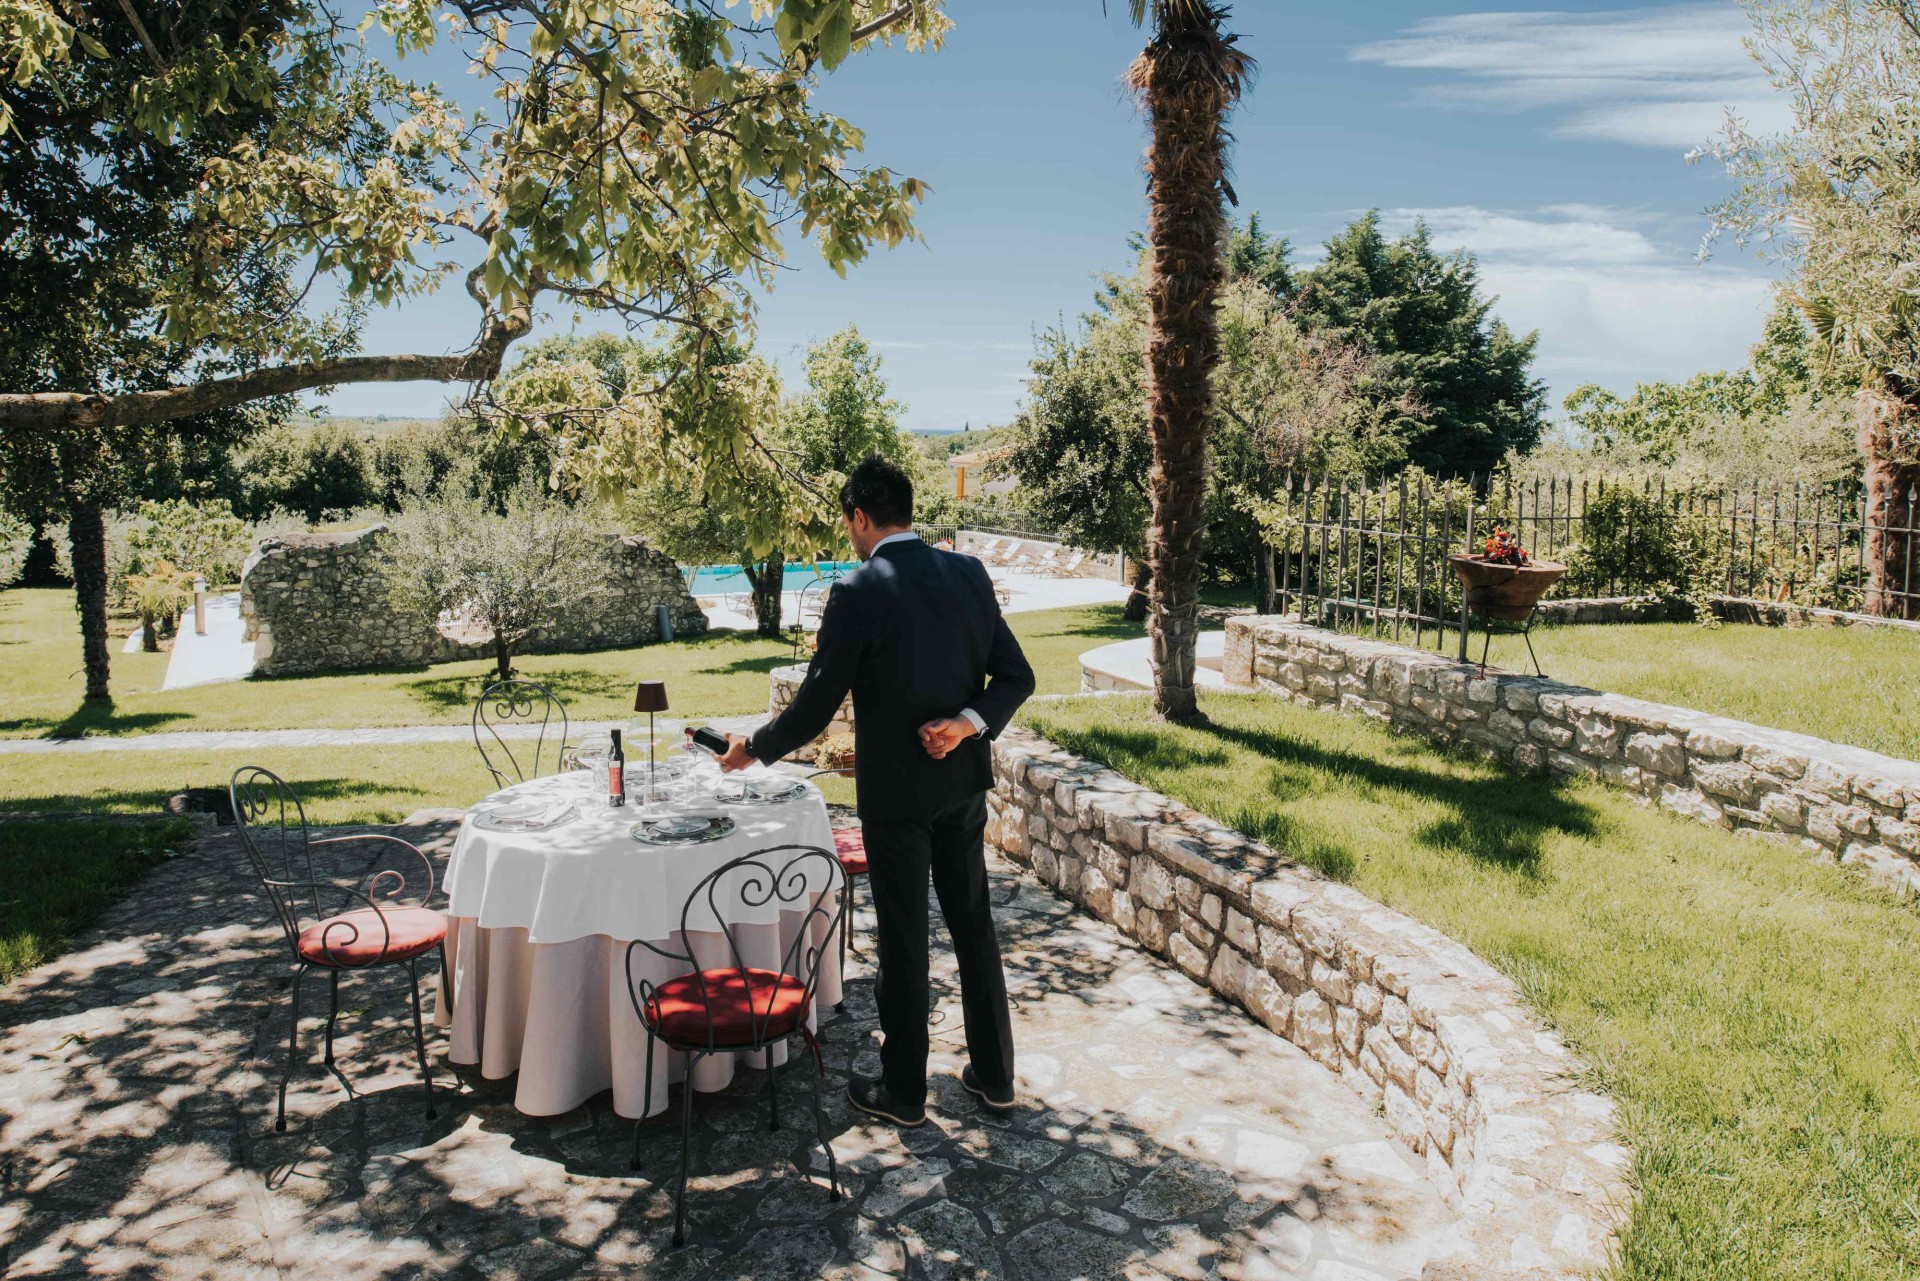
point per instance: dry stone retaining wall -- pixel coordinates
(319, 602)
(1411, 1019)
(782, 684)
(1844, 802)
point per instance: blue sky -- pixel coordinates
(1549, 143)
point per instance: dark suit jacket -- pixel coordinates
(915, 634)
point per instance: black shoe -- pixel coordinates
(998, 1100)
(872, 1098)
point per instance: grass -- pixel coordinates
(62, 875)
(1753, 1013)
(337, 785)
(1854, 685)
(721, 674)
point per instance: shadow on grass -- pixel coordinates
(1493, 817)
(1096, 622)
(92, 718)
(446, 693)
(154, 799)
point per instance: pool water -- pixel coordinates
(716, 580)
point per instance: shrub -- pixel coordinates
(16, 540)
(203, 538)
(1633, 541)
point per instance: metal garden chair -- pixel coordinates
(508, 702)
(737, 1008)
(273, 827)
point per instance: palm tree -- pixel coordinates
(1187, 79)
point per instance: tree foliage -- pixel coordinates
(649, 161)
(504, 566)
(1463, 378)
(1838, 198)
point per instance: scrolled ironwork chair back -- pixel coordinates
(509, 701)
(273, 828)
(756, 880)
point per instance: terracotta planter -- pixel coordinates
(1507, 592)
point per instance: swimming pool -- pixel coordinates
(717, 580)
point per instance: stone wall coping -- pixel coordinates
(1414, 1021)
(1859, 806)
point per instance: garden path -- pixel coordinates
(1163, 1134)
(218, 740)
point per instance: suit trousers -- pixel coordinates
(901, 855)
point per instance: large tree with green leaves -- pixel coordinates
(1187, 79)
(647, 161)
(92, 220)
(1463, 379)
(1838, 198)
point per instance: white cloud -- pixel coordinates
(1575, 233)
(1610, 306)
(1650, 77)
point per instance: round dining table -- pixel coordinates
(540, 918)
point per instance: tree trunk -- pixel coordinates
(502, 657)
(1187, 79)
(1892, 508)
(1268, 588)
(87, 532)
(1136, 610)
(149, 633)
(768, 581)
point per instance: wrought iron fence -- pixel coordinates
(1372, 554)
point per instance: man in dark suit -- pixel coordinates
(916, 635)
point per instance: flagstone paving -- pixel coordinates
(1161, 1133)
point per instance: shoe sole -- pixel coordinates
(883, 1114)
(991, 1102)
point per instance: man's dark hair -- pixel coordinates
(880, 488)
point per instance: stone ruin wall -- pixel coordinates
(319, 603)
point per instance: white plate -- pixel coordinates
(526, 816)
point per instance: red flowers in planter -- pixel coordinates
(1504, 549)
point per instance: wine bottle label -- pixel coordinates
(616, 781)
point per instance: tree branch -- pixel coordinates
(42, 411)
(882, 22)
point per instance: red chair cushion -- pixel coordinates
(766, 1003)
(361, 937)
(850, 847)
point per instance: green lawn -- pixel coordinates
(721, 674)
(1852, 685)
(1752, 1012)
(375, 784)
(62, 875)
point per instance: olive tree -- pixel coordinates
(458, 555)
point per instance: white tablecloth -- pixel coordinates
(540, 925)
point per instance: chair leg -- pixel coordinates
(420, 1037)
(820, 1127)
(846, 928)
(333, 1011)
(293, 1048)
(646, 1101)
(773, 1093)
(686, 1146)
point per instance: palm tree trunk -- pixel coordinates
(1187, 79)
(1892, 508)
(87, 532)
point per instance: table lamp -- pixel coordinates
(650, 698)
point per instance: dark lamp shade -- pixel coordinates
(651, 697)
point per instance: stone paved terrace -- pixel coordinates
(1163, 1134)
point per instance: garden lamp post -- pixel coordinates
(650, 698)
(199, 605)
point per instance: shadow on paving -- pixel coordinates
(1160, 1134)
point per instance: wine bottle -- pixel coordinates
(616, 773)
(710, 738)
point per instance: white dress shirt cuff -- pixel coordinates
(973, 718)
